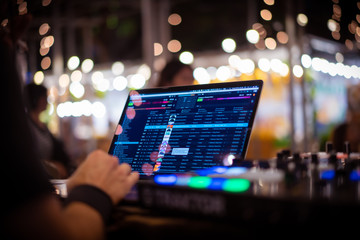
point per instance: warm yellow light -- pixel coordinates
(47, 42)
(266, 14)
(270, 43)
(269, 2)
(174, 19)
(44, 28)
(158, 49)
(282, 37)
(45, 63)
(64, 80)
(39, 77)
(302, 19)
(76, 76)
(174, 46)
(44, 51)
(46, 2)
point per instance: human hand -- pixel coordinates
(104, 171)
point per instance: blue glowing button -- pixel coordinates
(220, 169)
(183, 180)
(327, 174)
(167, 180)
(216, 184)
(234, 171)
(212, 170)
(355, 175)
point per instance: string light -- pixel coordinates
(73, 62)
(266, 14)
(158, 49)
(302, 19)
(186, 57)
(252, 36)
(269, 2)
(174, 46)
(174, 19)
(228, 45)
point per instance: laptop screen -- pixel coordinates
(181, 129)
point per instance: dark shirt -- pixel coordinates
(49, 147)
(23, 177)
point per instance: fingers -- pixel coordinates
(133, 178)
(130, 177)
(124, 169)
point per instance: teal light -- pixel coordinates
(199, 182)
(236, 185)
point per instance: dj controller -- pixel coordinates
(298, 188)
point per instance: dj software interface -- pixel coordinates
(184, 131)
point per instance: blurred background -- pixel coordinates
(91, 53)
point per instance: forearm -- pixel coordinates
(46, 218)
(83, 221)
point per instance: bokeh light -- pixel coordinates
(120, 83)
(117, 68)
(186, 57)
(270, 43)
(44, 28)
(174, 46)
(174, 19)
(298, 71)
(252, 36)
(228, 45)
(87, 65)
(45, 63)
(39, 77)
(266, 14)
(302, 19)
(73, 62)
(158, 49)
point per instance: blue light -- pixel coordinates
(212, 170)
(167, 180)
(355, 175)
(216, 184)
(234, 171)
(183, 180)
(220, 169)
(328, 174)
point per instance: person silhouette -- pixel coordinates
(49, 148)
(176, 73)
(349, 130)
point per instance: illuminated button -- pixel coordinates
(220, 169)
(233, 171)
(236, 185)
(199, 182)
(327, 174)
(216, 184)
(212, 170)
(168, 180)
(355, 175)
(183, 180)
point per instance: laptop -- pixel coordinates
(186, 128)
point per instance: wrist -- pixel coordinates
(92, 196)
